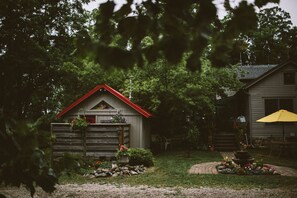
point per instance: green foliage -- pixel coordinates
(22, 162)
(36, 37)
(241, 131)
(118, 118)
(193, 137)
(274, 40)
(175, 28)
(68, 163)
(176, 96)
(105, 164)
(140, 156)
(122, 151)
(79, 123)
(264, 155)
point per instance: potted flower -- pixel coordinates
(118, 118)
(211, 148)
(122, 154)
(79, 123)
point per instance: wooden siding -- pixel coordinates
(135, 130)
(102, 140)
(146, 138)
(271, 87)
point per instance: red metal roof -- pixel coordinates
(113, 92)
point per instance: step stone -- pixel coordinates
(225, 142)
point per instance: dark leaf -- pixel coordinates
(227, 5)
(193, 62)
(261, 3)
(151, 53)
(207, 12)
(106, 57)
(173, 48)
(106, 10)
(125, 9)
(128, 27)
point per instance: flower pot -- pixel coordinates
(123, 160)
(242, 155)
(242, 158)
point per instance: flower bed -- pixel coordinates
(258, 168)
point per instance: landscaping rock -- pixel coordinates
(115, 175)
(117, 171)
(221, 167)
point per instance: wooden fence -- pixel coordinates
(101, 140)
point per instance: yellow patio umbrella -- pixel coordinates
(280, 116)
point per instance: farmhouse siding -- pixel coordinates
(271, 87)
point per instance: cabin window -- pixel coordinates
(289, 78)
(102, 106)
(90, 119)
(273, 105)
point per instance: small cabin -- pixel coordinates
(99, 106)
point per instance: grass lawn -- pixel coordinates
(263, 154)
(171, 168)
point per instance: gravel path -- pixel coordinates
(113, 191)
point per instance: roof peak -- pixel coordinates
(113, 92)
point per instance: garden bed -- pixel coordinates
(258, 168)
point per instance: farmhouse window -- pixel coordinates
(273, 105)
(289, 78)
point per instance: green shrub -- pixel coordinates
(139, 156)
(69, 163)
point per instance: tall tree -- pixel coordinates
(36, 37)
(274, 41)
(178, 97)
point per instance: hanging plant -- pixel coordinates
(79, 123)
(118, 118)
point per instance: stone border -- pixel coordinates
(210, 168)
(204, 168)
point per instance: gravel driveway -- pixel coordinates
(112, 191)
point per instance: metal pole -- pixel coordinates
(283, 132)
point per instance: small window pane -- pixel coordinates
(271, 106)
(90, 118)
(286, 104)
(289, 78)
(102, 106)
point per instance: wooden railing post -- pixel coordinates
(84, 142)
(121, 135)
